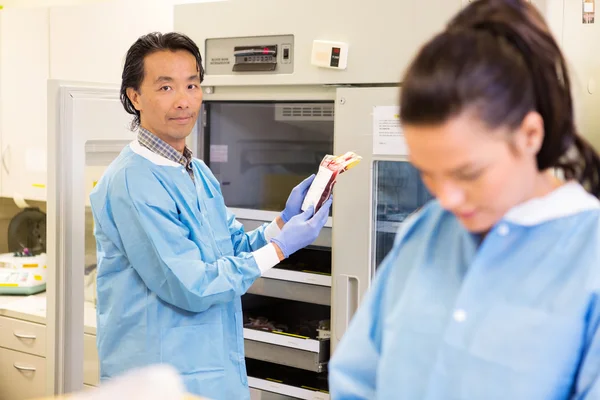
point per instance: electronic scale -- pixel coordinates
(23, 270)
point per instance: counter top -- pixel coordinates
(33, 309)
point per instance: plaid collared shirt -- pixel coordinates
(162, 148)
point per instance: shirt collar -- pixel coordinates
(569, 199)
(151, 156)
(155, 144)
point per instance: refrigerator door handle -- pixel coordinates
(347, 301)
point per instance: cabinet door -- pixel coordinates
(24, 63)
(22, 376)
(104, 33)
(372, 201)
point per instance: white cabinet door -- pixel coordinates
(104, 33)
(24, 62)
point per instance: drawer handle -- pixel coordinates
(22, 368)
(22, 336)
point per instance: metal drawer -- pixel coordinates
(308, 354)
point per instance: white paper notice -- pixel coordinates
(218, 153)
(388, 138)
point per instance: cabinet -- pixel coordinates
(24, 69)
(269, 147)
(37, 44)
(23, 353)
(104, 33)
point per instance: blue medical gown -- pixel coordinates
(515, 318)
(172, 265)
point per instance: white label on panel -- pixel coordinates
(35, 159)
(218, 153)
(388, 138)
(589, 14)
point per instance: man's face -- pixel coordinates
(169, 97)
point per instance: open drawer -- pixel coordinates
(286, 332)
(305, 276)
(286, 381)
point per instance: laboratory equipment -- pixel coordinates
(22, 274)
(267, 127)
(23, 271)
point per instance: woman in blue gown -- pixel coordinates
(492, 290)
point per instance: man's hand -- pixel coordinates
(294, 202)
(302, 230)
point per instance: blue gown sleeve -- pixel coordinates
(588, 380)
(245, 241)
(157, 245)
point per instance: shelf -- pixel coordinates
(285, 340)
(388, 226)
(290, 290)
(258, 394)
(286, 390)
(300, 277)
(307, 354)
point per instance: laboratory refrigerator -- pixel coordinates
(296, 313)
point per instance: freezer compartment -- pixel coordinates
(285, 332)
(287, 381)
(312, 260)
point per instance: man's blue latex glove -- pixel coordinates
(294, 202)
(302, 229)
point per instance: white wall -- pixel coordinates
(43, 3)
(89, 42)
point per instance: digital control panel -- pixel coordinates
(255, 58)
(252, 55)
